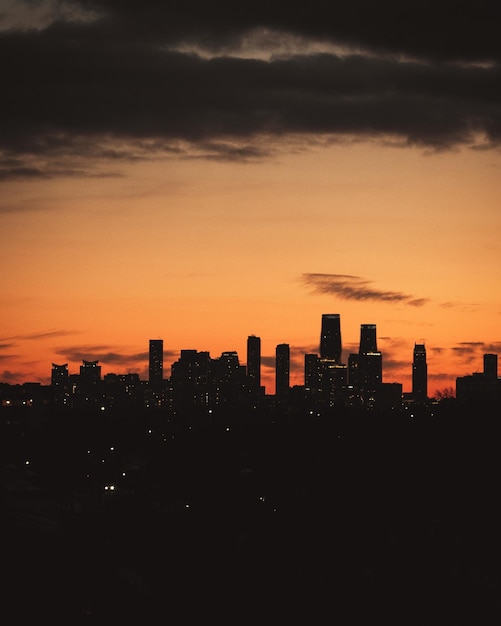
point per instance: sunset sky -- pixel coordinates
(200, 172)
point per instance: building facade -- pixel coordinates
(330, 337)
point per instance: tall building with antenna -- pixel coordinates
(254, 363)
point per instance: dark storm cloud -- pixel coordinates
(430, 29)
(356, 288)
(101, 88)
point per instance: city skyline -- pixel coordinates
(363, 367)
(202, 175)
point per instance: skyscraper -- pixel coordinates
(368, 341)
(60, 383)
(491, 366)
(419, 373)
(312, 378)
(370, 364)
(353, 373)
(254, 363)
(330, 337)
(90, 372)
(59, 375)
(282, 371)
(156, 362)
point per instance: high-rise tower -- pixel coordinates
(491, 366)
(419, 373)
(59, 375)
(330, 337)
(254, 362)
(282, 371)
(370, 363)
(368, 341)
(156, 362)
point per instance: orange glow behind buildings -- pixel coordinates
(203, 254)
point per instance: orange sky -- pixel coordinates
(202, 254)
(196, 174)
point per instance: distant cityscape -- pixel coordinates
(199, 382)
(200, 496)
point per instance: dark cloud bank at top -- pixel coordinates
(134, 80)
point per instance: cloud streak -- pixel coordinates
(350, 287)
(107, 355)
(39, 335)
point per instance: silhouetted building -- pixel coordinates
(353, 373)
(88, 387)
(333, 382)
(330, 337)
(312, 378)
(491, 366)
(156, 362)
(368, 340)
(59, 374)
(90, 372)
(228, 380)
(419, 373)
(190, 379)
(60, 384)
(282, 371)
(389, 396)
(122, 390)
(254, 364)
(370, 364)
(481, 388)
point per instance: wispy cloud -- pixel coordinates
(39, 335)
(107, 354)
(466, 348)
(6, 346)
(103, 353)
(351, 287)
(11, 377)
(463, 307)
(472, 352)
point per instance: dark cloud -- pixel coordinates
(468, 347)
(6, 346)
(463, 307)
(268, 361)
(11, 377)
(104, 354)
(426, 74)
(350, 287)
(470, 350)
(107, 355)
(391, 365)
(436, 350)
(430, 29)
(439, 376)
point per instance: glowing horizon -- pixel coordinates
(185, 177)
